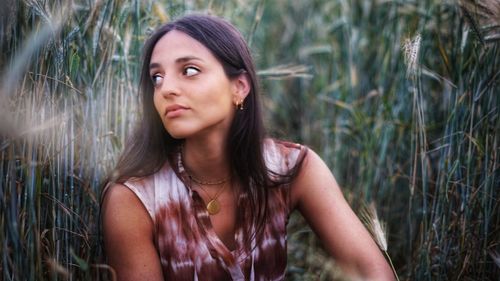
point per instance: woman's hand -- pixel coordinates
(320, 200)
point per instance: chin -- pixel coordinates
(179, 133)
(186, 130)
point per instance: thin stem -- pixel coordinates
(392, 266)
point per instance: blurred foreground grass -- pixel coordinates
(401, 99)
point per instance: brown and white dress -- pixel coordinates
(187, 244)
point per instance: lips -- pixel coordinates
(175, 110)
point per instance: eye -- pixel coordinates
(190, 71)
(156, 79)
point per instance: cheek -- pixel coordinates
(219, 96)
(218, 105)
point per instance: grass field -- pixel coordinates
(400, 98)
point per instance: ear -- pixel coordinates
(241, 87)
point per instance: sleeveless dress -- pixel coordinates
(189, 248)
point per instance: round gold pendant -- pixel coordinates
(213, 207)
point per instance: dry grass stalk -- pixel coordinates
(496, 257)
(285, 72)
(483, 18)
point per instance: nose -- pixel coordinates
(170, 87)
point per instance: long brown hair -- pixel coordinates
(150, 146)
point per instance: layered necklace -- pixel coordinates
(213, 206)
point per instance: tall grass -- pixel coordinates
(419, 136)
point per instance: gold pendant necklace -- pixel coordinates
(213, 206)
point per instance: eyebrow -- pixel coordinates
(178, 60)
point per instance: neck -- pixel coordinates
(206, 159)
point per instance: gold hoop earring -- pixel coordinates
(240, 105)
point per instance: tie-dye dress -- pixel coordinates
(187, 244)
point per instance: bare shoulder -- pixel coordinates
(119, 203)
(314, 175)
(125, 220)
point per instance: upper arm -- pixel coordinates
(128, 236)
(320, 200)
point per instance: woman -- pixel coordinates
(199, 193)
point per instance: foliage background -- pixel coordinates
(420, 136)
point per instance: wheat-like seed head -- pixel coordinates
(411, 48)
(375, 226)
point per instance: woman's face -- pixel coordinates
(192, 94)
